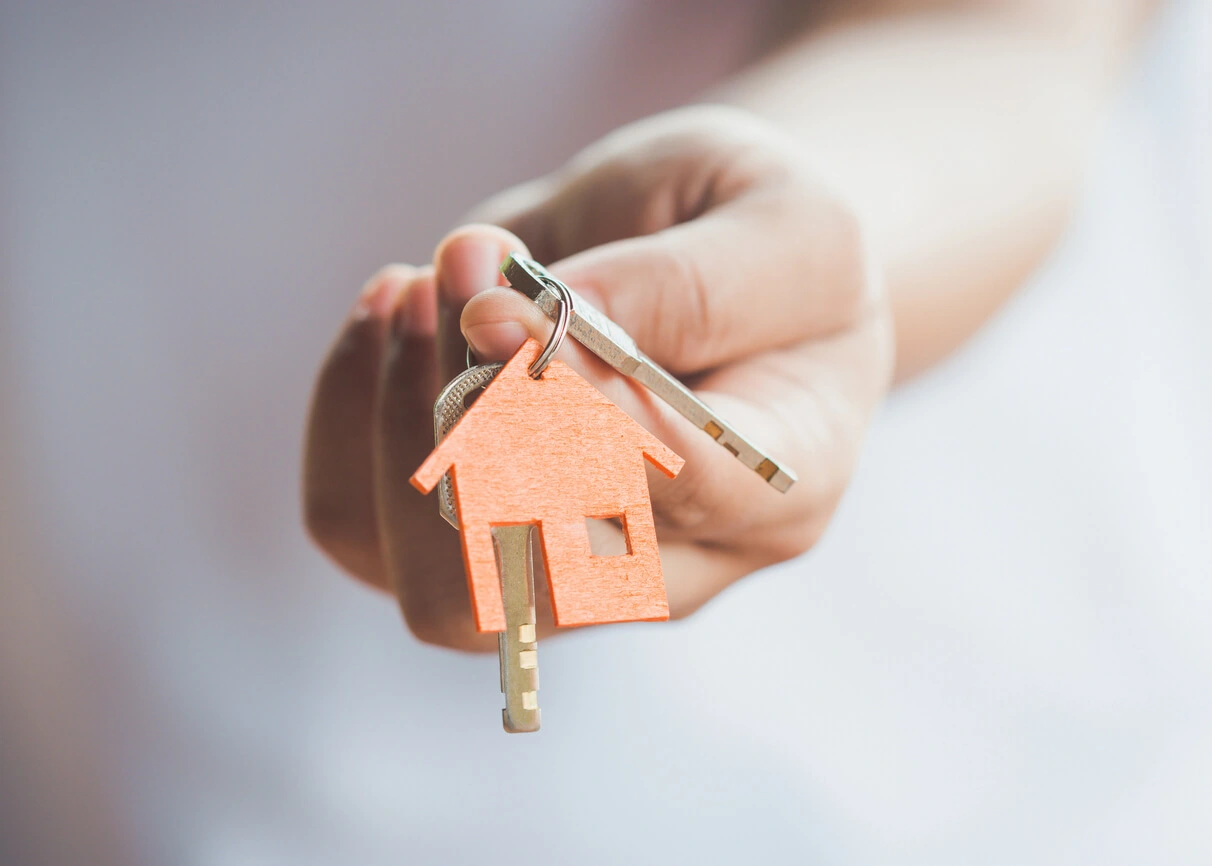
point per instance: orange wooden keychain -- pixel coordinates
(543, 451)
(551, 451)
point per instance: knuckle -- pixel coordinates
(793, 541)
(840, 255)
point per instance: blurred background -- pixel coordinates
(1001, 653)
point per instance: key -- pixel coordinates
(450, 406)
(518, 648)
(612, 344)
(517, 644)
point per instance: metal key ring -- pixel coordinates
(561, 328)
(557, 336)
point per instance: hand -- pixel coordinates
(704, 234)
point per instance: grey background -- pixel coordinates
(999, 654)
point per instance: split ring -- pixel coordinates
(564, 297)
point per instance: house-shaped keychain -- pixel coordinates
(554, 452)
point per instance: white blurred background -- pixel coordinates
(1001, 653)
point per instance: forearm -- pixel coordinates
(958, 134)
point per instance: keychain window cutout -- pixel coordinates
(549, 452)
(608, 536)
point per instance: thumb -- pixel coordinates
(780, 264)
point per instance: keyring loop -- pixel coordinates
(564, 295)
(561, 329)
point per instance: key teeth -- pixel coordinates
(527, 679)
(518, 650)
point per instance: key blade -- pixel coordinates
(517, 644)
(612, 344)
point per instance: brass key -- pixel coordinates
(518, 649)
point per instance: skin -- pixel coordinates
(847, 213)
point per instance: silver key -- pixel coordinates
(612, 344)
(450, 406)
(517, 647)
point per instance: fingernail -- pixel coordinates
(416, 313)
(468, 269)
(495, 341)
(381, 292)
(376, 300)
